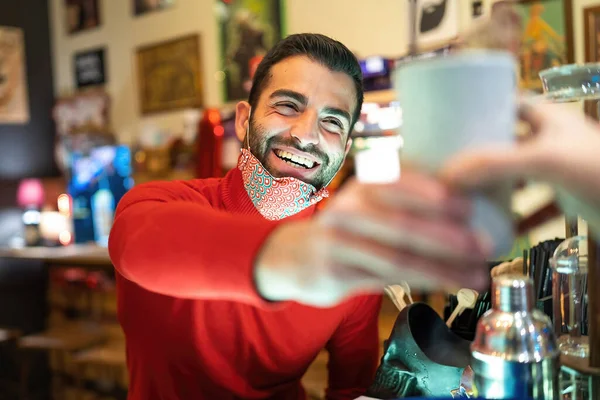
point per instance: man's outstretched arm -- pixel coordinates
(168, 239)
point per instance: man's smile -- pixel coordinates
(285, 161)
(294, 160)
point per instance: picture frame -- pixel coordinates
(82, 15)
(89, 67)
(169, 75)
(143, 7)
(591, 33)
(547, 39)
(14, 90)
(436, 23)
(248, 29)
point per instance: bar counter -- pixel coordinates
(83, 255)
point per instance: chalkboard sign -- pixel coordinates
(89, 68)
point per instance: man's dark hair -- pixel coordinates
(319, 48)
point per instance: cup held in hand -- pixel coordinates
(458, 102)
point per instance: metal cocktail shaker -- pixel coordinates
(514, 354)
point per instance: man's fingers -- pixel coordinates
(420, 195)
(390, 265)
(433, 237)
(529, 111)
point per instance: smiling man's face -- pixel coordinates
(301, 125)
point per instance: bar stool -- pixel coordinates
(70, 330)
(108, 364)
(105, 364)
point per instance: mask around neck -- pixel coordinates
(276, 198)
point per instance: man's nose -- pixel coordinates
(305, 130)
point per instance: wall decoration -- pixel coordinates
(169, 75)
(141, 7)
(75, 118)
(547, 39)
(82, 15)
(477, 8)
(591, 21)
(249, 28)
(437, 22)
(14, 101)
(89, 68)
(591, 34)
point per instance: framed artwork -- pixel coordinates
(81, 15)
(477, 8)
(437, 22)
(14, 100)
(547, 39)
(169, 75)
(89, 68)
(248, 29)
(591, 33)
(141, 7)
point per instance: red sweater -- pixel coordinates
(195, 326)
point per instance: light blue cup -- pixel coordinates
(458, 102)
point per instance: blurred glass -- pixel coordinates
(569, 279)
(571, 82)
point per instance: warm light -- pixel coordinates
(64, 238)
(140, 157)
(214, 116)
(219, 130)
(30, 193)
(64, 204)
(52, 224)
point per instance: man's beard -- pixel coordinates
(260, 147)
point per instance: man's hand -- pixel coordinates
(370, 236)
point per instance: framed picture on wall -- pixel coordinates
(89, 68)
(141, 7)
(248, 29)
(437, 22)
(169, 75)
(547, 39)
(82, 15)
(591, 33)
(14, 99)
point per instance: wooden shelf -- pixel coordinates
(173, 175)
(380, 96)
(542, 215)
(581, 365)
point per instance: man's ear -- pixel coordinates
(348, 146)
(242, 119)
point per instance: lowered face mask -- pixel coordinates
(275, 198)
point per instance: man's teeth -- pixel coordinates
(296, 159)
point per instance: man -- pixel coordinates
(227, 290)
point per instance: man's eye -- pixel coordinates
(287, 106)
(334, 122)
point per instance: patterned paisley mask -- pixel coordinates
(276, 198)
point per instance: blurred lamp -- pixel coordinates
(30, 194)
(30, 197)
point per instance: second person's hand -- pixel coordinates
(563, 151)
(370, 236)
